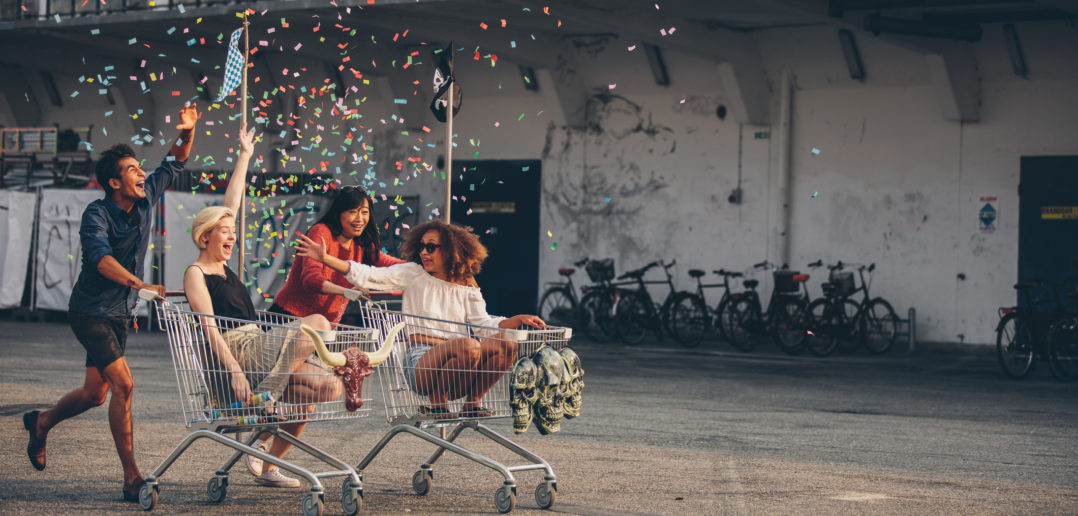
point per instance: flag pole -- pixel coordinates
(243, 192)
(449, 149)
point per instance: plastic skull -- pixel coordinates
(522, 393)
(553, 384)
(574, 396)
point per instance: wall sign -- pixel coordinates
(989, 213)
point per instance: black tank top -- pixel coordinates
(228, 296)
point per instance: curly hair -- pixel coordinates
(464, 254)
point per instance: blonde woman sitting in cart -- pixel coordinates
(277, 364)
(438, 281)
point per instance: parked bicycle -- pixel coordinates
(1021, 331)
(636, 313)
(692, 319)
(1063, 347)
(840, 322)
(784, 320)
(593, 313)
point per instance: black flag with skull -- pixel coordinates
(443, 77)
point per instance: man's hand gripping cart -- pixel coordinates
(407, 389)
(311, 392)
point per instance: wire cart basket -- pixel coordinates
(210, 407)
(412, 412)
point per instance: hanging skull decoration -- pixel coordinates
(552, 385)
(573, 398)
(522, 393)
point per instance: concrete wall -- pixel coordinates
(878, 174)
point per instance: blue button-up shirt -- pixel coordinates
(108, 230)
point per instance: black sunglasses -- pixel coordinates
(352, 188)
(429, 247)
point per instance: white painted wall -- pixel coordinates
(895, 183)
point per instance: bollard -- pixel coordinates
(913, 328)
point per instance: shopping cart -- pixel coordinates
(211, 410)
(410, 412)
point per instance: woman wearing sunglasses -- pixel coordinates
(312, 288)
(438, 281)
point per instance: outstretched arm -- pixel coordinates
(308, 248)
(521, 320)
(238, 181)
(181, 149)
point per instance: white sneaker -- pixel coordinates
(273, 477)
(254, 464)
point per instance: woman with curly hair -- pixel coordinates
(438, 282)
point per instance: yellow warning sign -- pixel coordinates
(1059, 212)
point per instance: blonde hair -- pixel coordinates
(206, 220)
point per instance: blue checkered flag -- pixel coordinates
(233, 66)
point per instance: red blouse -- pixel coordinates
(302, 292)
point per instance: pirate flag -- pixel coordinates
(443, 77)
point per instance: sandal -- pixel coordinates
(478, 411)
(438, 412)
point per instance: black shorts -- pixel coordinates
(278, 309)
(103, 337)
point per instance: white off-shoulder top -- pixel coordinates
(426, 295)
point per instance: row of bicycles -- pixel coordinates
(1039, 327)
(621, 307)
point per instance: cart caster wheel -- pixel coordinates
(545, 494)
(147, 497)
(217, 489)
(313, 504)
(423, 481)
(351, 498)
(505, 499)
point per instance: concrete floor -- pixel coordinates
(664, 431)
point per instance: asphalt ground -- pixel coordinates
(664, 430)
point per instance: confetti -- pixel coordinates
(815, 151)
(814, 194)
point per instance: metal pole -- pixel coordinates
(243, 192)
(912, 327)
(449, 150)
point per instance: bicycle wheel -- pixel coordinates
(879, 326)
(597, 307)
(741, 315)
(1014, 345)
(789, 325)
(825, 319)
(1063, 349)
(558, 308)
(849, 336)
(690, 320)
(632, 315)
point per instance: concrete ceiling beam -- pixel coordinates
(957, 85)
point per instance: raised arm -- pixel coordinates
(181, 147)
(198, 296)
(238, 181)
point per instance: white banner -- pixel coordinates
(267, 254)
(16, 228)
(59, 251)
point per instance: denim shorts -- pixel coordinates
(411, 358)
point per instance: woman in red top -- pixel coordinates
(311, 287)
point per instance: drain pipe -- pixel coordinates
(785, 179)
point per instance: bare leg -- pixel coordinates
(497, 357)
(296, 354)
(445, 372)
(91, 394)
(118, 376)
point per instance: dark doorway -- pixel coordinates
(1048, 222)
(503, 196)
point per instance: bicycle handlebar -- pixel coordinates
(668, 265)
(761, 265)
(836, 267)
(731, 274)
(817, 263)
(582, 262)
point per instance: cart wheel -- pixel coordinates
(423, 481)
(505, 499)
(217, 489)
(147, 497)
(351, 498)
(312, 504)
(545, 494)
